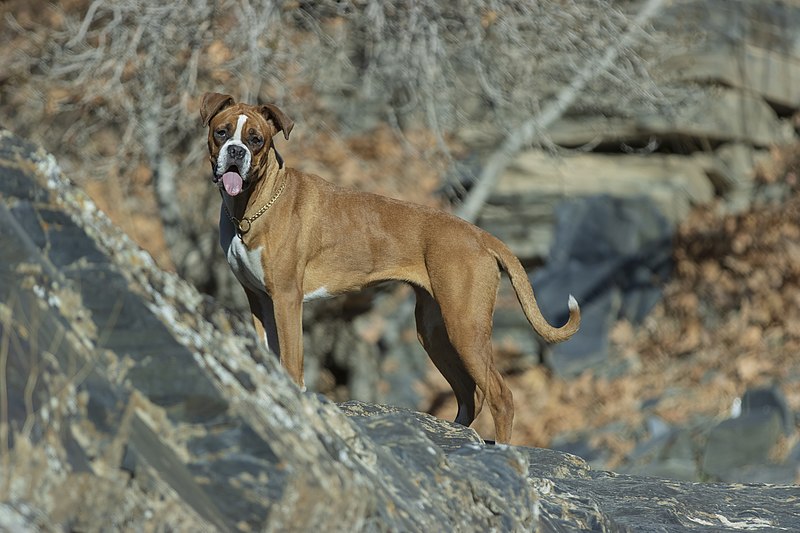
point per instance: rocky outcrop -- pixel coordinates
(735, 62)
(128, 401)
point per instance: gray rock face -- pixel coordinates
(737, 64)
(611, 255)
(127, 403)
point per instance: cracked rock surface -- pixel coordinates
(131, 402)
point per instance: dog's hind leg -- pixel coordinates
(466, 298)
(433, 337)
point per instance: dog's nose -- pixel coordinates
(236, 152)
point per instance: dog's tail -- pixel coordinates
(519, 280)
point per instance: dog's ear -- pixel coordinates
(278, 117)
(212, 104)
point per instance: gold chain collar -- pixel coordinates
(246, 223)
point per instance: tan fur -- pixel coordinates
(318, 235)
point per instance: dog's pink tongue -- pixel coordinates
(232, 182)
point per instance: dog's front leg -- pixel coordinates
(264, 319)
(288, 308)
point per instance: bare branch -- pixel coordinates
(527, 132)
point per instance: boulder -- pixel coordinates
(610, 253)
(715, 117)
(129, 403)
(743, 448)
(736, 444)
(765, 24)
(669, 453)
(732, 166)
(766, 399)
(521, 209)
(772, 74)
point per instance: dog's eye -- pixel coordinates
(255, 140)
(221, 134)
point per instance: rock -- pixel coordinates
(766, 399)
(766, 24)
(722, 116)
(774, 75)
(580, 446)
(521, 209)
(743, 448)
(645, 504)
(194, 429)
(794, 454)
(609, 254)
(669, 468)
(723, 128)
(732, 166)
(447, 436)
(668, 454)
(737, 443)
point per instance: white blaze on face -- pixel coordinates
(232, 181)
(237, 135)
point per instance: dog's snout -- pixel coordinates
(236, 152)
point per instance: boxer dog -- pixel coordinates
(292, 237)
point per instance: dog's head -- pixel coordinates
(239, 139)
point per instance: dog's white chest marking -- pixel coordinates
(317, 294)
(245, 263)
